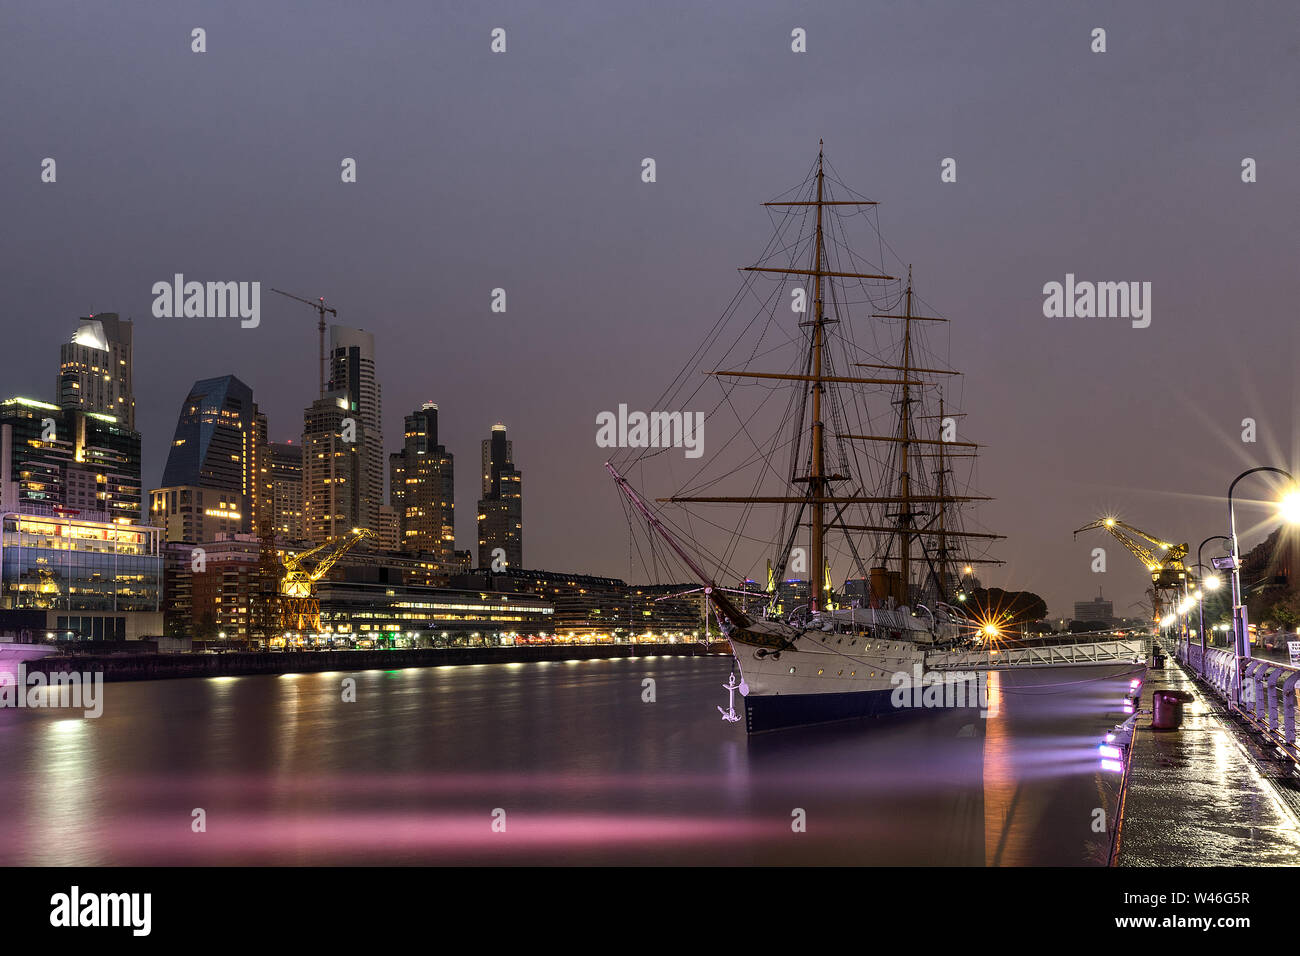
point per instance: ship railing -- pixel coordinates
(878, 618)
(1265, 697)
(1048, 655)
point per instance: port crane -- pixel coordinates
(321, 308)
(299, 606)
(1163, 560)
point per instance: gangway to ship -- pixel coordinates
(1130, 651)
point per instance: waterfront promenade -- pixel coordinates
(1197, 797)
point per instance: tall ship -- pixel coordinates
(833, 445)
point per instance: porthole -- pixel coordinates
(819, 672)
(792, 670)
(853, 673)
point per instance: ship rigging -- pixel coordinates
(881, 491)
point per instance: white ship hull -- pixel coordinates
(841, 667)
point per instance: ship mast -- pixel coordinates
(943, 529)
(905, 439)
(816, 478)
(818, 481)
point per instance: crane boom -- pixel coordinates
(340, 548)
(1163, 560)
(295, 562)
(320, 306)
(300, 608)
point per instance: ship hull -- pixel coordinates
(796, 678)
(781, 711)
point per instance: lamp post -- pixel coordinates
(1240, 625)
(1212, 583)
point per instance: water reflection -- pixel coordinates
(584, 770)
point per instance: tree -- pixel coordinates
(1005, 608)
(206, 629)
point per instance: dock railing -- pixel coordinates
(1267, 700)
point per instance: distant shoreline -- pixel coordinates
(133, 667)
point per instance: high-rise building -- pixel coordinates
(422, 487)
(500, 510)
(352, 377)
(390, 529)
(95, 369)
(283, 462)
(332, 475)
(190, 514)
(220, 436)
(74, 460)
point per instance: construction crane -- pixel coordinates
(320, 307)
(299, 606)
(1163, 560)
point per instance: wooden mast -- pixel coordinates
(904, 437)
(818, 493)
(943, 529)
(816, 479)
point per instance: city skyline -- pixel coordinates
(901, 398)
(1077, 419)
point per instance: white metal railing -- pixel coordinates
(1268, 690)
(1049, 655)
(1220, 667)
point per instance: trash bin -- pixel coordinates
(1167, 708)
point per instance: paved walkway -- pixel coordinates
(1196, 798)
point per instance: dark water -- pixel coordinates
(584, 770)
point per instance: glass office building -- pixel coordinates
(79, 577)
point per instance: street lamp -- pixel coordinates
(1210, 582)
(1290, 512)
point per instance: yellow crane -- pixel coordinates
(1163, 560)
(299, 606)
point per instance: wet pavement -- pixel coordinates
(1196, 797)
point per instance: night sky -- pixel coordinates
(522, 170)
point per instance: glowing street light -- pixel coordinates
(1210, 582)
(1289, 511)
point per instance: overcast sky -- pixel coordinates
(522, 171)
